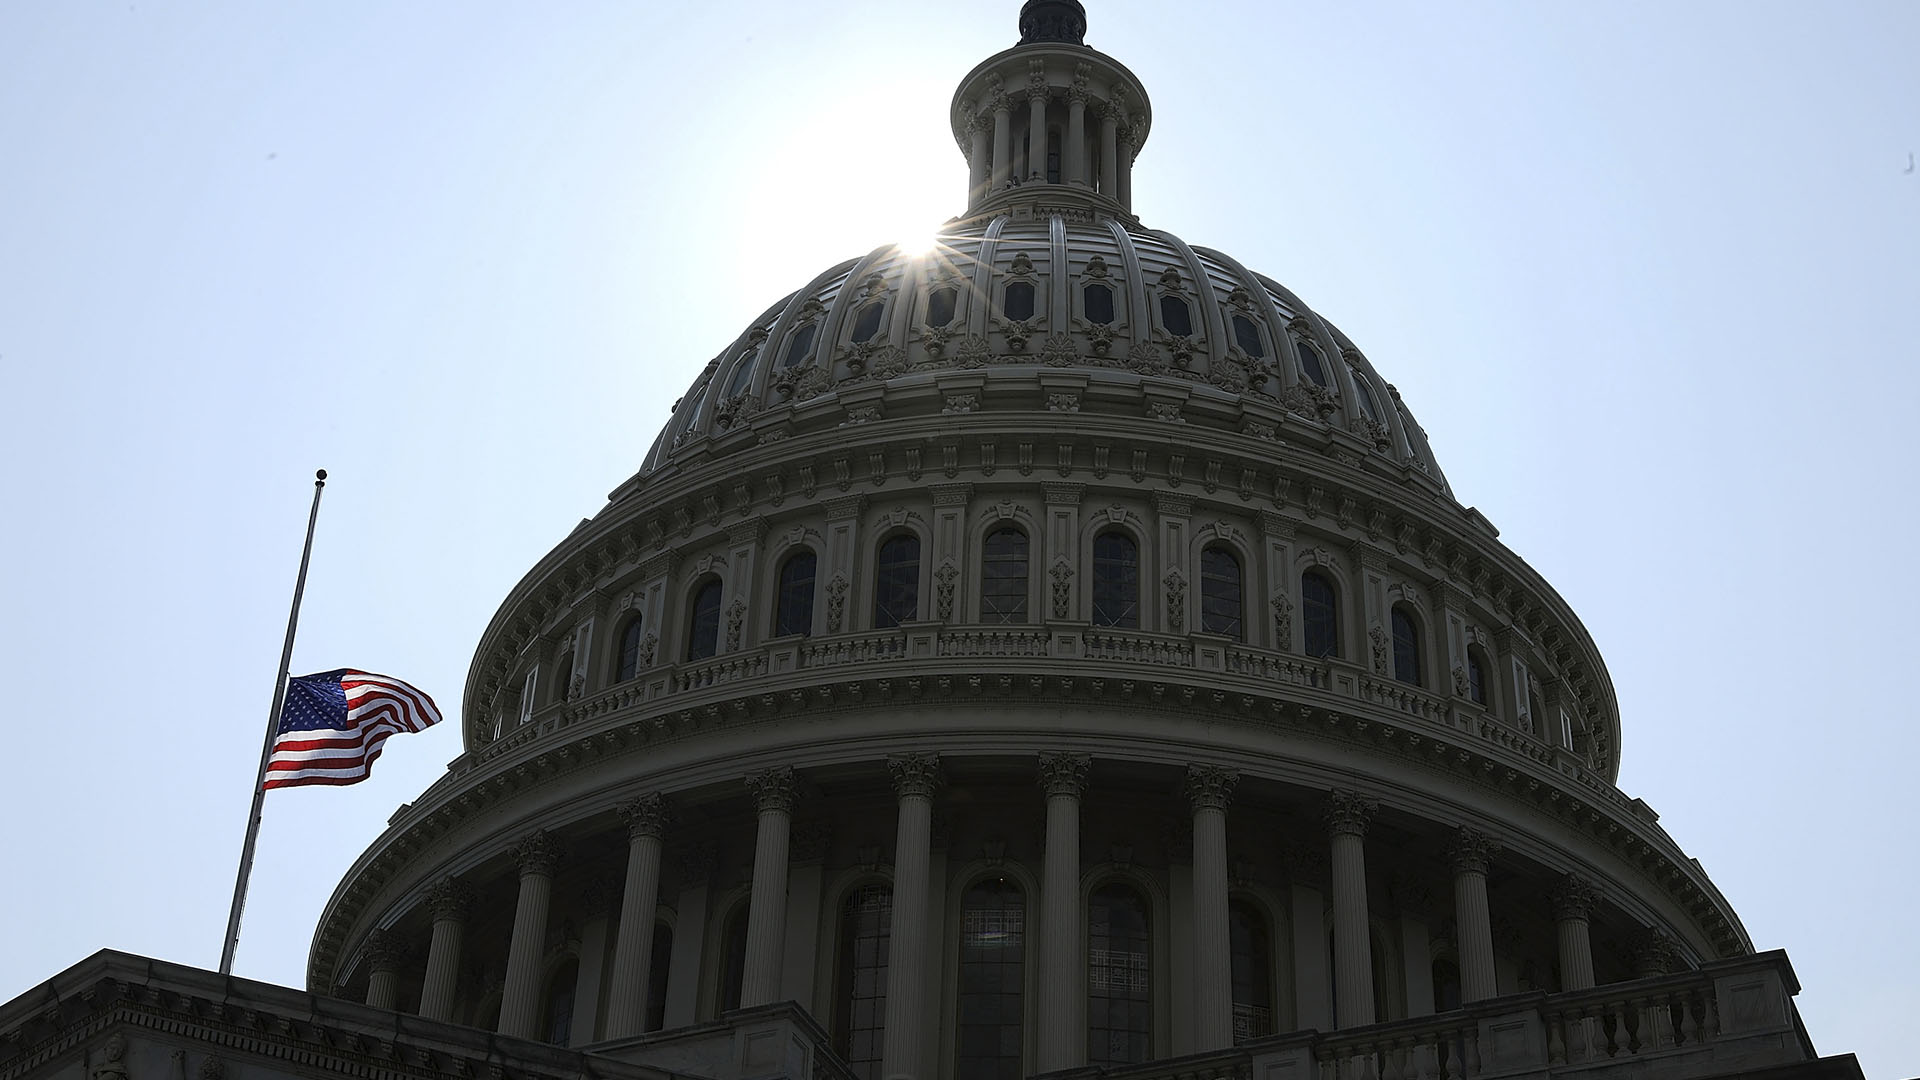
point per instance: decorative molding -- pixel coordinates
(646, 816)
(450, 898)
(1176, 600)
(914, 774)
(1062, 588)
(1470, 852)
(1574, 899)
(1282, 605)
(1210, 787)
(1064, 773)
(772, 789)
(385, 950)
(538, 852)
(1349, 812)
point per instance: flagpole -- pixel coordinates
(266, 748)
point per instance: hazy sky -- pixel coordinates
(1645, 272)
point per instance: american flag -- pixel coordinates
(333, 724)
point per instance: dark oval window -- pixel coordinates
(1019, 302)
(801, 344)
(868, 324)
(940, 305)
(793, 606)
(1310, 363)
(1177, 317)
(1320, 615)
(896, 582)
(742, 376)
(1099, 304)
(1248, 335)
(703, 629)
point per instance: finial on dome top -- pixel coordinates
(1063, 21)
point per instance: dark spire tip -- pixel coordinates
(1063, 21)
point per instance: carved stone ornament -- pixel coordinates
(1349, 812)
(1019, 331)
(836, 603)
(974, 352)
(1059, 351)
(772, 789)
(1232, 372)
(1101, 338)
(943, 580)
(961, 403)
(1146, 359)
(935, 339)
(1460, 684)
(1371, 430)
(648, 645)
(646, 816)
(1064, 773)
(1063, 403)
(914, 774)
(1282, 620)
(1210, 787)
(1176, 600)
(384, 950)
(736, 617)
(113, 1065)
(1062, 585)
(577, 686)
(213, 1068)
(450, 898)
(1573, 899)
(1096, 267)
(802, 383)
(1377, 638)
(1654, 953)
(538, 852)
(1471, 851)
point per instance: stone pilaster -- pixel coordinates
(1469, 855)
(1348, 814)
(915, 778)
(773, 795)
(646, 818)
(1209, 790)
(538, 855)
(1062, 1035)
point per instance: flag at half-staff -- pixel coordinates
(332, 726)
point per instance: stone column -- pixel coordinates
(1063, 978)
(1109, 151)
(1209, 789)
(1348, 813)
(1123, 190)
(1037, 130)
(772, 793)
(915, 777)
(980, 159)
(449, 900)
(1572, 911)
(633, 958)
(1002, 139)
(1654, 955)
(385, 952)
(1076, 163)
(537, 857)
(1468, 855)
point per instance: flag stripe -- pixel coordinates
(334, 723)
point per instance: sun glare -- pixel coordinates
(917, 242)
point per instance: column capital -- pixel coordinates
(1210, 787)
(772, 789)
(384, 950)
(1064, 773)
(646, 816)
(1573, 899)
(1470, 851)
(538, 852)
(1349, 812)
(914, 774)
(1654, 953)
(450, 898)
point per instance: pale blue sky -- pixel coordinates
(1646, 273)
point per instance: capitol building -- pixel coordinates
(1054, 652)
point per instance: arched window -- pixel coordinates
(1220, 595)
(1116, 580)
(1251, 951)
(1176, 316)
(1003, 577)
(1476, 677)
(559, 1012)
(733, 946)
(867, 323)
(562, 678)
(1098, 300)
(860, 1002)
(628, 666)
(896, 582)
(1310, 363)
(940, 306)
(793, 601)
(1406, 647)
(1248, 336)
(1119, 977)
(799, 345)
(1363, 396)
(703, 626)
(1018, 305)
(1319, 614)
(662, 963)
(989, 1023)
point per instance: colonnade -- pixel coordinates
(991, 148)
(1061, 982)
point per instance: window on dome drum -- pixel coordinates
(734, 954)
(867, 323)
(1406, 647)
(1018, 302)
(1003, 577)
(1053, 155)
(940, 306)
(742, 376)
(1319, 614)
(1220, 597)
(860, 1003)
(559, 1010)
(1364, 396)
(703, 627)
(1098, 300)
(793, 604)
(1251, 949)
(896, 582)
(562, 678)
(1176, 316)
(1116, 581)
(657, 977)
(800, 344)
(1310, 363)
(628, 666)
(1476, 677)
(1119, 977)
(1248, 335)
(988, 1022)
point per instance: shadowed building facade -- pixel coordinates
(1056, 651)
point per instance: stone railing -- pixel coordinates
(1403, 697)
(1133, 647)
(1277, 667)
(995, 643)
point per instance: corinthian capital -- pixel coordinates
(450, 898)
(772, 789)
(1210, 787)
(538, 853)
(1349, 812)
(385, 951)
(914, 774)
(1573, 899)
(1064, 774)
(646, 816)
(1470, 851)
